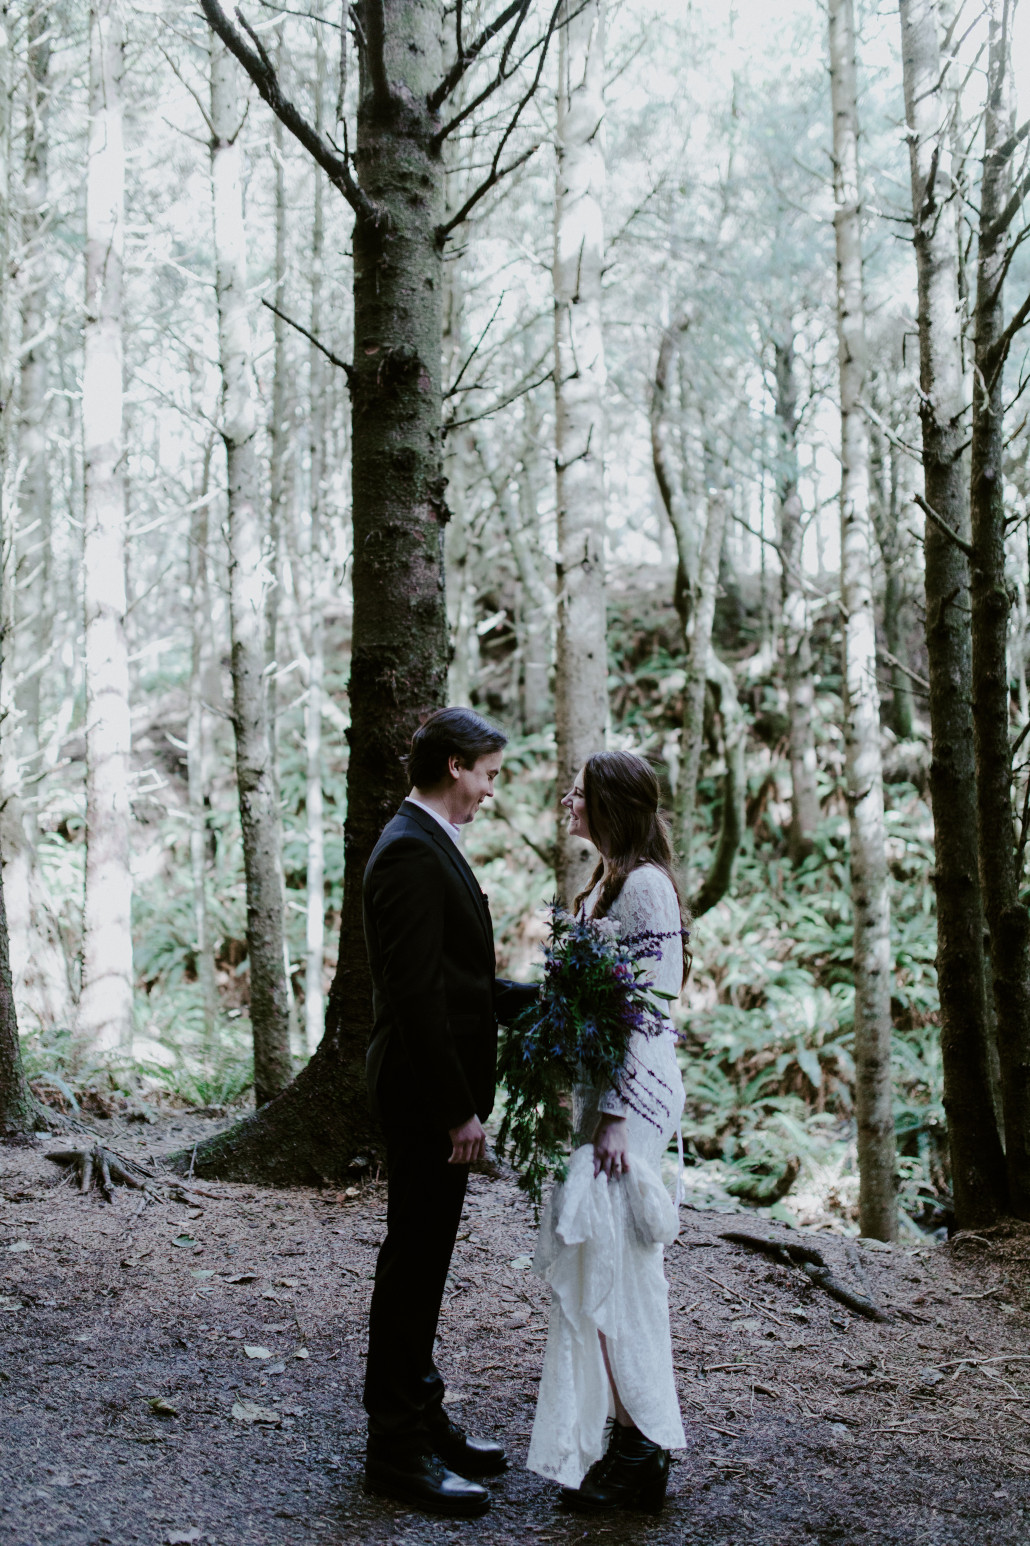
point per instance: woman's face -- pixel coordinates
(576, 804)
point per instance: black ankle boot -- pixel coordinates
(633, 1474)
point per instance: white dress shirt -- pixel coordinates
(453, 832)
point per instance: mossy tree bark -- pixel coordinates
(394, 183)
(863, 770)
(1008, 919)
(977, 1159)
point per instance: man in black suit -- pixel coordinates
(432, 1073)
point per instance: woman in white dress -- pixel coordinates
(607, 1412)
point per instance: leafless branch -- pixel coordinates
(493, 177)
(504, 71)
(468, 56)
(892, 660)
(941, 523)
(258, 65)
(505, 402)
(330, 356)
(475, 350)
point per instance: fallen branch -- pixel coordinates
(813, 1265)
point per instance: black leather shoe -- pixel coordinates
(414, 1475)
(633, 1474)
(459, 1450)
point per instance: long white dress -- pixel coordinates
(601, 1245)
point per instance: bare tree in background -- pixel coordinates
(794, 616)
(581, 671)
(977, 1158)
(250, 573)
(864, 775)
(698, 558)
(105, 1005)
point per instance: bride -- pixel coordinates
(608, 1363)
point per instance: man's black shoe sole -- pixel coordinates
(453, 1508)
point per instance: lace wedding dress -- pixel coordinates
(601, 1244)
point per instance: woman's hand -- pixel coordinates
(611, 1148)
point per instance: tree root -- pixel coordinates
(813, 1265)
(102, 1169)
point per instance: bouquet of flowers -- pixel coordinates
(594, 996)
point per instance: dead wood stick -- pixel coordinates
(813, 1265)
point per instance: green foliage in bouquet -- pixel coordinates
(594, 996)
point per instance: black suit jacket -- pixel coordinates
(435, 996)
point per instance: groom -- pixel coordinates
(431, 1074)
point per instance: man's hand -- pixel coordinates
(468, 1142)
(611, 1150)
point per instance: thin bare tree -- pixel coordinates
(581, 666)
(105, 1005)
(864, 774)
(251, 566)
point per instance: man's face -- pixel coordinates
(472, 785)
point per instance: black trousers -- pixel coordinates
(402, 1384)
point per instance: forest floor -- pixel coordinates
(806, 1422)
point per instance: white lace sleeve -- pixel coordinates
(647, 905)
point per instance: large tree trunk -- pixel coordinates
(17, 1116)
(1007, 918)
(977, 1159)
(794, 622)
(249, 569)
(105, 1006)
(36, 278)
(581, 676)
(398, 667)
(318, 411)
(864, 776)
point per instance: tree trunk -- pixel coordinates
(977, 1158)
(884, 456)
(460, 555)
(249, 569)
(17, 1113)
(198, 750)
(399, 643)
(1007, 917)
(20, 1113)
(105, 1005)
(794, 621)
(665, 455)
(537, 593)
(864, 777)
(699, 647)
(36, 278)
(318, 411)
(517, 509)
(581, 677)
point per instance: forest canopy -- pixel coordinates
(642, 373)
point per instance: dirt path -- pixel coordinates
(808, 1424)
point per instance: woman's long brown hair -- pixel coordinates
(622, 796)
